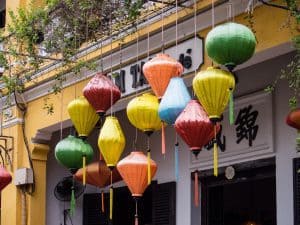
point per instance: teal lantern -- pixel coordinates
(230, 44)
(70, 152)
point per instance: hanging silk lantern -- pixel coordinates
(293, 120)
(5, 178)
(194, 127)
(133, 170)
(73, 153)
(230, 44)
(214, 88)
(83, 116)
(174, 100)
(101, 93)
(158, 72)
(111, 143)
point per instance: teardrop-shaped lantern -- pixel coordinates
(142, 113)
(194, 126)
(98, 174)
(70, 151)
(83, 116)
(101, 93)
(111, 141)
(5, 178)
(293, 120)
(159, 71)
(174, 100)
(230, 44)
(133, 170)
(213, 87)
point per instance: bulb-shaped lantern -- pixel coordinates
(111, 141)
(5, 178)
(134, 171)
(83, 116)
(101, 93)
(194, 126)
(230, 44)
(293, 120)
(142, 113)
(214, 88)
(174, 100)
(158, 72)
(70, 152)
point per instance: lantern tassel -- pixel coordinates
(148, 166)
(231, 108)
(196, 191)
(111, 196)
(84, 170)
(136, 216)
(102, 202)
(163, 139)
(176, 160)
(215, 153)
(73, 201)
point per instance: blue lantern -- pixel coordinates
(174, 100)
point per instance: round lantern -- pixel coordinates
(133, 170)
(5, 178)
(70, 152)
(142, 113)
(111, 141)
(293, 120)
(174, 100)
(158, 72)
(101, 93)
(83, 116)
(214, 88)
(230, 44)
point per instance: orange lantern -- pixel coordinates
(134, 171)
(159, 71)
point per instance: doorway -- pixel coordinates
(249, 198)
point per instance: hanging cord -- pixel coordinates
(111, 69)
(176, 28)
(148, 33)
(212, 13)
(61, 114)
(162, 27)
(195, 32)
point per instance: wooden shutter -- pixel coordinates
(164, 204)
(296, 191)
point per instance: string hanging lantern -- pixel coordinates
(133, 170)
(101, 93)
(111, 143)
(83, 116)
(213, 87)
(70, 152)
(293, 120)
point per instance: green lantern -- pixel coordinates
(70, 153)
(230, 44)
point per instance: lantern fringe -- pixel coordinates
(84, 170)
(196, 191)
(136, 216)
(111, 196)
(102, 202)
(176, 160)
(72, 202)
(215, 153)
(231, 108)
(163, 139)
(148, 166)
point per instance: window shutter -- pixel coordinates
(164, 204)
(296, 191)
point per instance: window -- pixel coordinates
(157, 206)
(2, 13)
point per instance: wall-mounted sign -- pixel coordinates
(131, 78)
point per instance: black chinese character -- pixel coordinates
(120, 80)
(134, 70)
(186, 60)
(246, 127)
(221, 144)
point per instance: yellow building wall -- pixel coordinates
(37, 118)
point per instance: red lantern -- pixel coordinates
(194, 127)
(293, 120)
(159, 71)
(134, 171)
(5, 178)
(101, 93)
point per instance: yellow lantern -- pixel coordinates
(111, 141)
(142, 113)
(83, 116)
(214, 88)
